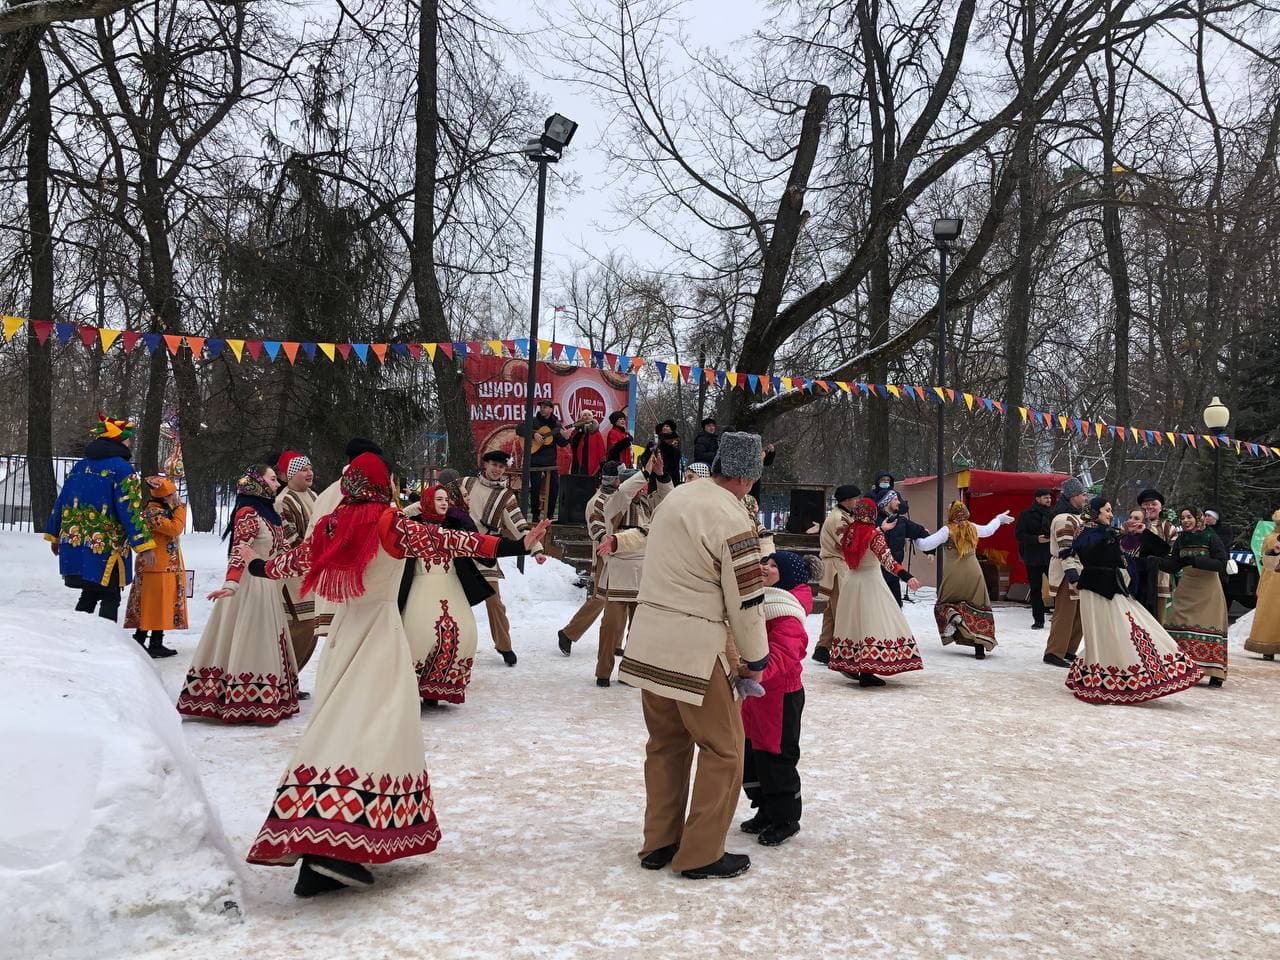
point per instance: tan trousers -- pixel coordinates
(1066, 632)
(581, 621)
(829, 616)
(302, 635)
(613, 634)
(674, 729)
(499, 625)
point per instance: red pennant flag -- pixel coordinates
(43, 328)
(88, 335)
(415, 350)
(254, 347)
(291, 349)
(510, 347)
(379, 351)
(196, 345)
(557, 349)
(345, 350)
(174, 341)
(130, 339)
(474, 348)
(684, 373)
(447, 347)
(612, 360)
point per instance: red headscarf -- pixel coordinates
(861, 531)
(428, 503)
(345, 541)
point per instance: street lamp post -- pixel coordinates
(543, 150)
(1216, 418)
(945, 232)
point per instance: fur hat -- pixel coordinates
(1151, 493)
(1071, 487)
(359, 445)
(740, 455)
(616, 416)
(847, 491)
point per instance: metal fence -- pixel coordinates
(15, 495)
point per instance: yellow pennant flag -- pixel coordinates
(496, 347)
(1023, 411)
(1098, 428)
(1172, 441)
(732, 377)
(108, 337)
(897, 393)
(843, 385)
(327, 348)
(544, 347)
(786, 383)
(1062, 423)
(673, 371)
(637, 452)
(12, 325)
(968, 401)
(237, 347)
(431, 350)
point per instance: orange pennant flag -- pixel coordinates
(290, 349)
(174, 341)
(379, 351)
(196, 345)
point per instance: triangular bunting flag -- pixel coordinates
(64, 332)
(344, 350)
(214, 347)
(174, 341)
(597, 359)
(447, 347)
(544, 347)
(42, 328)
(571, 354)
(611, 361)
(684, 372)
(897, 393)
(108, 337)
(254, 347)
(273, 348)
(152, 341)
(130, 339)
(1062, 423)
(786, 383)
(557, 350)
(237, 347)
(1191, 440)
(474, 347)
(1209, 440)
(12, 325)
(522, 346)
(1172, 441)
(968, 400)
(380, 351)
(939, 394)
(731, 377)
(766, 382)
(460, 350)
(753, 381)
(291, 350)
(310, 349)
(988, 403)
(195, 345)
(636, 364)
(1120, 430)
(362, 351)
(417, 348)
(510, 347)
(496, 347)
(88, 335)
(327, 349)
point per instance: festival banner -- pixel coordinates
(496, 389)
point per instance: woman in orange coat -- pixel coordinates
(158, 598)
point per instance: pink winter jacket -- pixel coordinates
(788, 644)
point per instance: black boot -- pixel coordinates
(821, 655)
(602, 681)
(344, 871)
(564, 643)
(508, 657)
(109, 608)
(776, 834)
(87, 602)
(1268, 656)
(657, 859)
(870, 680)
(312, 884)
(756, 824)
(979, 652)
(1054, 660)
(141, 637)
(157, 650)
(1215, 681)
(729, 865)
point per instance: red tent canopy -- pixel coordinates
(989, 493)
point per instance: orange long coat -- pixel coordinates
(158, 597)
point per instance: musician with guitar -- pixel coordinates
(547, 436)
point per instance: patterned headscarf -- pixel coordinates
(861, 531)
(964, 535)
(428, 503)
(252, 492)
(346, 541)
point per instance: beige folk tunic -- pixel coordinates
(829, 539)
(627, 508)
(701, 579)
(243, 670)
(496, 512)
(356, 787)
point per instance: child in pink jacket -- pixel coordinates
(772, 722)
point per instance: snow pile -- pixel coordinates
(107, 842)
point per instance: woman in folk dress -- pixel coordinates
(871, 638)
(158, 597)
(1197, 615)
(243, 670)
(356, 790)
(1128, 657)
(1264, 636)
(963, 608)
(437, 615)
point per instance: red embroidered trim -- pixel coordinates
(883, 657)
(214, 694)
(1154, 675)
(979, 623)
(441, 676)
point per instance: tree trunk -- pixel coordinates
(426, 287)
(40, 478)
(16, 51)
(877, 418)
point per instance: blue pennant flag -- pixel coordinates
(309, 349)
(695, 374)
(152, 340)
(597, 359)
(272, 347)
(64, 332)
(459, 349)
(754, 381)
(721, 378)
(401, 348)
(571, 354)
(362, 351)
(522, 345)
(214, 347)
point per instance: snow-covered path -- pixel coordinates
(975, 809)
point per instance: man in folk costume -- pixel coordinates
(496, 512)
(703, 579)
(325, 504)
(356, 790)
(829, 539)
(1066, 631)
(628, 511)
(1157, 543)
(597, 530)
(295, 503)
(97, 525)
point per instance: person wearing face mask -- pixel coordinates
(243, 670)
(594, 605)
(1128, 657)
(1197, 618)
(880, 489)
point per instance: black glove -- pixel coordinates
(1208, 563)
(1073, 576)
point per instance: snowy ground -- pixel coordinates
(975, 809)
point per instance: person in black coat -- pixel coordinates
(897, 528)
(666, 445)
(1213, 521)
(1032, 533)
(706, 443)
(548, 435)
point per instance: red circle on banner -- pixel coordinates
(587, 399)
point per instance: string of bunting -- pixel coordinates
(212, 348)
